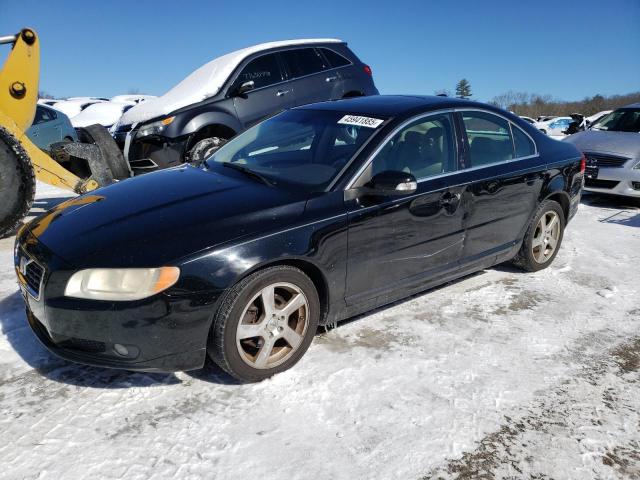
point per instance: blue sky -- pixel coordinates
(568, 49)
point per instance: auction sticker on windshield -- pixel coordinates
(360, 121)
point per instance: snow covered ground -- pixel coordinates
(502, 374)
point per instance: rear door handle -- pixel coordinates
(331, 79)
(280, 93)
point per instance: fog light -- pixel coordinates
(121, 350)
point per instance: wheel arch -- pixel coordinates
(210, 130)
(561, 197)
(308, 268)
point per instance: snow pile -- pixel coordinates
(203, 83)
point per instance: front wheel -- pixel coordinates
(543, 238)
(265, 323)
(204, 148)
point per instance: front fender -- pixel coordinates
(320, 245)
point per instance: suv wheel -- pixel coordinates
(265, 323)
(204, 148)
(543, 238)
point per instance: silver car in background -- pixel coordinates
(612, 149)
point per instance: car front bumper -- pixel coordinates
(163, 333)
(154, 152)
(616, 181)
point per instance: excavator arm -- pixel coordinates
(20, 160)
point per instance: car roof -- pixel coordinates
(393, 105)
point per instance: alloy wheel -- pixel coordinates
(273, 325)
(546, 237)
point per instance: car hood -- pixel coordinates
(626, 144)
(158, 218)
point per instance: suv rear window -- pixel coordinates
(335, 59)
(263, 71)
(304, 61)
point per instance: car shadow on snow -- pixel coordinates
(624, 210)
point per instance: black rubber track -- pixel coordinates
(108, 147)
(17, 183)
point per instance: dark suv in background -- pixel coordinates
(254, 83)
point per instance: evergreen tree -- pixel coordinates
(463, 89)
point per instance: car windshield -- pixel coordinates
(622, 120)
(302, 148)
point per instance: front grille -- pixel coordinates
(34, 275)
(31, 273)
(82, 345)
(606, 184)
(600, 160)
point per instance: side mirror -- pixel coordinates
(244, 87)
(393, 183)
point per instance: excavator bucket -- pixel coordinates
(78, 167)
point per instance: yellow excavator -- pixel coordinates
(78, 167)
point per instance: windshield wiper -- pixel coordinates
(249, 173)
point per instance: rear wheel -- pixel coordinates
(543, 238)
(17, 183)
(265, 323)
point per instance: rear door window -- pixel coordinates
(489, 138)
(263, 71)
(304, 61)
(335, 59)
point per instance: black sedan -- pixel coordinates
(313, 216)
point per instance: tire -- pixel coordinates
(17, 183)
(111, 154)
(243, 358)
(204, 148)
(535, 253)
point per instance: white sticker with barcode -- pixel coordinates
(360, 121)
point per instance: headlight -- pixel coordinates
(154, 128)
(120, 283)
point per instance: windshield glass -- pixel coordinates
(304, 148)
(622, 120)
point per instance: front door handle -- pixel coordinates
(331, 79)
(280, 93)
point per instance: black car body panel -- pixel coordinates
(226, 113)
(218, 226)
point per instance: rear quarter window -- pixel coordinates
(335, 59)
(523, 144)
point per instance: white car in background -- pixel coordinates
(527, 119)
(105, 113)
(554, 127)
(73, 106)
